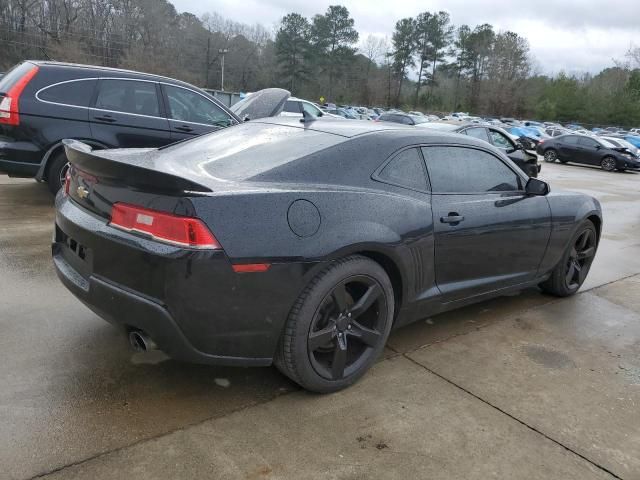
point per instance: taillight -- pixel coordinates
(10, 103)
(165, 227)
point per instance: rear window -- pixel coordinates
(77, 93)
(13, 75)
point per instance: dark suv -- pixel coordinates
(42, 103)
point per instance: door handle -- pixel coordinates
(453, 218)
(184, 128)
(105, 118)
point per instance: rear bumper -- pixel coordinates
(19, 169)
(19, 158)
(191, 303)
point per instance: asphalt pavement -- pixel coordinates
(525, 386)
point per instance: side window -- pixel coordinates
(77, 93)
(406, 120)
(587, 142)
(291, 106)
(189, 106)
(307, 107)
(405, 170)
(480, 133)
(128, 96)
(572, 140)
(501, 141)
(467, 170)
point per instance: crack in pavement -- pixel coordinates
(504, 412)
(396, 354)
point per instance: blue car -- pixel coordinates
(633, 140)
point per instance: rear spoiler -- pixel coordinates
(103, 166)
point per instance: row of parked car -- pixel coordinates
(44, 102)
(610, 148)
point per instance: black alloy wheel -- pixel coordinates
(570, 273)
(608, 164)
(580, 258)
(338, 326)
(347, 327)
(550, 156)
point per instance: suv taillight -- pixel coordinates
(10, 103)
(165, 227)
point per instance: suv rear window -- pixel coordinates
(76, 92)
(128, 96)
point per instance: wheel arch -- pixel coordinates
(54, 150)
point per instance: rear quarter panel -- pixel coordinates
(261, 226)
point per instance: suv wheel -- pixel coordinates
(57, 172)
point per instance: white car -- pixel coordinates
(295, 106)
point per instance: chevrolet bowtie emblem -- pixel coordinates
(83, 192)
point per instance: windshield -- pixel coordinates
(606, 143)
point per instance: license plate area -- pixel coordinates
(77, 255)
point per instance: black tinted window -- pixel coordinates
(587, 142)
(406, 169)
(189, 106)
(480, 133)
(78, 93)
(128, 96)
(466, 170)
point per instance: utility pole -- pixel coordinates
(222, 52)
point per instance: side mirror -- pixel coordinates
(320, 114)
(246, 118)
(598, 147)
(537, 187)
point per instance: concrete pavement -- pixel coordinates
(526, 386)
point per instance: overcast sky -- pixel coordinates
(571, 35)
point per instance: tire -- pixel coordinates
(56, 171)
(550, 155)
(338, 326)
(608, 164)
(566, 278)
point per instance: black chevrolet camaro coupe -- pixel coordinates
(303, 243)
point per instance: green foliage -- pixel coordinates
(293, 49)
(429, 64)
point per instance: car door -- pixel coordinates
(589, 150)
(489, 234)
(127, 113)
(192, 113)
(567, 147)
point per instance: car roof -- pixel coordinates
(110, 69)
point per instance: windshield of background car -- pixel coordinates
(500, 141)
(606, 143)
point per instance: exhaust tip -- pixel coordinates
(140, 342)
